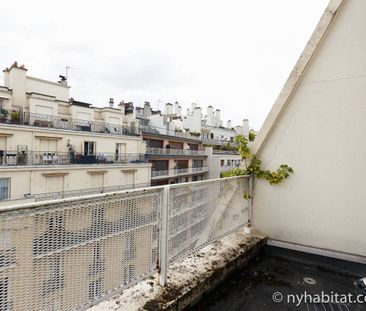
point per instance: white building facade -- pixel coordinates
(50, 143)
(221, 161)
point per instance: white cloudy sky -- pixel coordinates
(233, 54)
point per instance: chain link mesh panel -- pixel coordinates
(69, 254)
(200, 213)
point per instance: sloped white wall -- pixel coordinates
(322, 135)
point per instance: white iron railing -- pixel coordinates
(171, 151)
(155, 174)
(70, 254)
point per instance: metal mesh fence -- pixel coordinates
(202, 212)
(68, 254)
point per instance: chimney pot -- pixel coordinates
(111, 103)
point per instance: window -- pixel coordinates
(56, 223)
(197, 163)
(120, 152)
(48, 145)
(55, 183)
(130, 252)
(89, 147)
(97, 180)
(4, 188)
(98, 263)
(129, 177)
(4, 299)
(95, 289)
(44, 110)
(222, 163)
(129, 274)
(54, 279)
(97, 216)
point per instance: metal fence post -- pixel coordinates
(163, 237)
(247, 229)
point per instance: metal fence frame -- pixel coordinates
(162, 219)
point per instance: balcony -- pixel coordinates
(288, 274)
(173, 152)
(34, 158)
(167, 132)
(224, 152)
(84, 191)
(217, 142)
(124, 220)
(67, 123)
(157, 174)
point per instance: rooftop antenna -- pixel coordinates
(67, 72)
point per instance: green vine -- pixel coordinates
(254, 166)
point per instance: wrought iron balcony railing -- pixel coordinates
(231, 152)
(67, 123)
(217, 142)
(83, 192)
(171, 151)
(155, 174)
(165, 131)
(14, 158)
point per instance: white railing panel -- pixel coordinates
(68, 254)
(202, 212)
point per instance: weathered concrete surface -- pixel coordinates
(190, 277)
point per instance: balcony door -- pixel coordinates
(89, 147)
(120, 152)
(48, 145)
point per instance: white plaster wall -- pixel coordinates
(34, 102)
(193, 120)
(156, 120)
(48, 88)
(15, 79)
(220, 133)
(82, 113)
(321, 135)
(25, 180)
(214, 162)
(104, 143)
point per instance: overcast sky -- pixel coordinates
(234, 55)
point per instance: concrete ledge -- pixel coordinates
(190, 277)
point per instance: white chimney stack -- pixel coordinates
(168, 108)
(177, 109)
(228, 124)
(111, 103)
(193, 106)
(217, 114)
(246, 128)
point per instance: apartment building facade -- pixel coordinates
(51, 143)
(221, 161)
(175, 156)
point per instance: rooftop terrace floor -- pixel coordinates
(277, 270)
